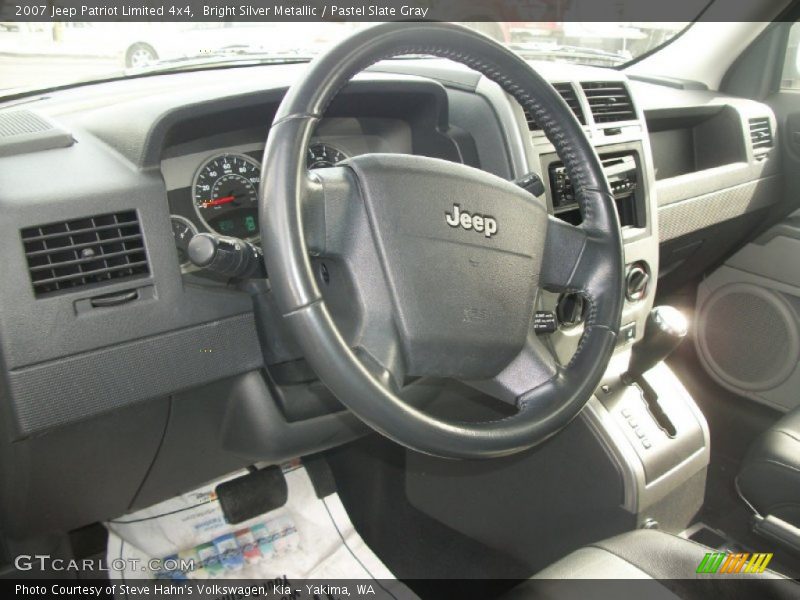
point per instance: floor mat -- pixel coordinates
(187, 537)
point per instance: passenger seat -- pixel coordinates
(769, 481)
(667, 567)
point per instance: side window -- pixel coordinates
(790, 80)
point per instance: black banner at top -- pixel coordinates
(379, 10)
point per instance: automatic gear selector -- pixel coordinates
(665, 329)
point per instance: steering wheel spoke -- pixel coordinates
(385, 363)
(534, 366)
(338, 238)
(573, 260)
(331, 209)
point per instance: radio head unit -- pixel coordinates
(623, 174)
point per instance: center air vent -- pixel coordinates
(567, 92)
(609, 101)
(82, 252)
(761, 133)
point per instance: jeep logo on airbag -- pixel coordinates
(485, 224)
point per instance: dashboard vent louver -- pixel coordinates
(567, 92)
(609, 101)
(81, 252)
(761, 133)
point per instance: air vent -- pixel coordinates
(761, 133)
(567, 92)
(82, 252)
(609, 101)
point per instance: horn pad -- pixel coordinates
(461, 250)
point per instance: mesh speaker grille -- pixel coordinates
(24, 131)
(20, 122)
(746, 336)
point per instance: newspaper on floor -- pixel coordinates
(296, 549)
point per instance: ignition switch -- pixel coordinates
(636, 281)
(570, 309)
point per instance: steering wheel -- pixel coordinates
(436, 266)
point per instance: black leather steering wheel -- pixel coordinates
(435, 266)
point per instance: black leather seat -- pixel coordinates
(665, 565)
(769, 479)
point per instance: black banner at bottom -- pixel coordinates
(368, 589)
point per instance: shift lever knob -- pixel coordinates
(664, 331)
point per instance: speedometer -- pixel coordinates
(225, 194)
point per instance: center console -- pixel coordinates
(644, 419)
(628, 169)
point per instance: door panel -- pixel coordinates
(748, 319)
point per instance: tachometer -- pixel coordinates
(183, 230)
(225, 194)
(320, 156)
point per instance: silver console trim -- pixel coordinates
(639, 494)
(509, 114)
(618, 450)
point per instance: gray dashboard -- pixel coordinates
(109, 383)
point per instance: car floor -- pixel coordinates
(429, 557)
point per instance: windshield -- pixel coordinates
(38, 56)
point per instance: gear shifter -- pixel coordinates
(664, 331)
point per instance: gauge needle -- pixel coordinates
(218, 201)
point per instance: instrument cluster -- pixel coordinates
(225, 189)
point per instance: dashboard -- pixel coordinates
(149, 363)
